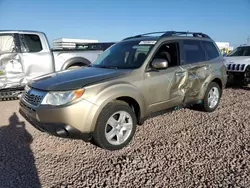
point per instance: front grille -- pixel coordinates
(33, 97)
(235, 67)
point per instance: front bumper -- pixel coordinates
(237, 77)
(73, 121)
(57, 129)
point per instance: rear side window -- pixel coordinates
(193, 51)
(212, 51)
(31, 43)
(6, 43)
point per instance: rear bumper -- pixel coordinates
(56, 129)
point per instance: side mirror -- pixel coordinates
(159, 63)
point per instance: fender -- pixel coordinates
(214, 75)
(71, 61)
(113, 92)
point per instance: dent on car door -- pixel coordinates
(11, 67)
(37, 58)
(196, 69)
(196, 75)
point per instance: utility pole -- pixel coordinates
(248, 40)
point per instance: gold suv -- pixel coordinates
(131, 81)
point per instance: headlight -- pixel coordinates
(62, 97)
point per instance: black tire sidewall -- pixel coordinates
(106, 113)
(246, 76)
(205, 100)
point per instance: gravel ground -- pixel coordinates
(185, 148)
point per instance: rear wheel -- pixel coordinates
(75, 66)
(212, 97)
(115, 126)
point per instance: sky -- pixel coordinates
(113, 20)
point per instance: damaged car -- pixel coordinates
(25, 55)
(135, 79)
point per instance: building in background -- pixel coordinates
(224, 47)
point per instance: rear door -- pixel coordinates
(196, 66)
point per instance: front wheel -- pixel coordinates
(115, 126)
(246, 77)
(212, 97)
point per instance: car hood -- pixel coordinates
(238, 60)
(75, 79)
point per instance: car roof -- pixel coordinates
(157, 38)
(21, 31)
(144, 38)
(166, 35)
(244, 45)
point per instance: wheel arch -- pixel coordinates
(133, 104)
(75, 61)
(123, 92)
(210, 80)
(218, 81)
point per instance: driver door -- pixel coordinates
(163, 89)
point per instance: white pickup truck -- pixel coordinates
(25, 55)
(238, 65)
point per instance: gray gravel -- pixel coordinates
(185, 148)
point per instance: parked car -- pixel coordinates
(25, 55)
(238, 65)
(137, 78)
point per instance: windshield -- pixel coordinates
(240, 51)
(124, 55)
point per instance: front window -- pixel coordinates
(240, 51)
(31, 43)
(124, 55)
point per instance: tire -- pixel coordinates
(73, 67)
(246, 80)
(103, 126)
(206, 105)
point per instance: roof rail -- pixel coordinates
(195, 34)
(244, 45)
(171, 33)
(141, 35)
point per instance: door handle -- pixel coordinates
(180, 73)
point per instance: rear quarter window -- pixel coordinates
(211, 50)
(193, 51)
(6, 43)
